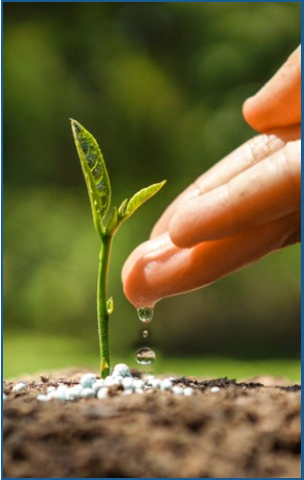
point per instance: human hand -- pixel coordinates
(245, 207)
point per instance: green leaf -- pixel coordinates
(94, 171)
(122, 208)
(112, 222)
(141, 197)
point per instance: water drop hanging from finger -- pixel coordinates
(145, 314)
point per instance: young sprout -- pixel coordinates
(99, 189)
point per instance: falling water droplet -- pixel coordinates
(145, 356)
(145, 333)
(145, 314)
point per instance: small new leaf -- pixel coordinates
(94, 171)
(104, 368)
(110, 306)
(112, 222)
(122, 208)
(141, 197)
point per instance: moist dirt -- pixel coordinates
(243, 430)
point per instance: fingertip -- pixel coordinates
(174, 232)
(247, 107)
(124, 271)
(129, 265)
(178, 232)
(251, 113)
(162, 225)
(139, 273)
(278, 103)
(131, 279)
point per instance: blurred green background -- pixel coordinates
(161, 86)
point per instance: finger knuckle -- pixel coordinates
(291, 165)
(262, 146)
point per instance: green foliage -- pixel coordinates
(94, 171)
(99, 189)
(98, 184)
(138, 199)
(168, 78)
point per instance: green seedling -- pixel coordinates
(106, 220)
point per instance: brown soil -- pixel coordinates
(246, 430)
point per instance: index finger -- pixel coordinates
(159, 269)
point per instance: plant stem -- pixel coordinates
(102, 311)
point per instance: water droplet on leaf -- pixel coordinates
(91, 159)
(101, 186)
(145, 333)
(96, 173)
(145, 356)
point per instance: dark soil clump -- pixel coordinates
(243, 430)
